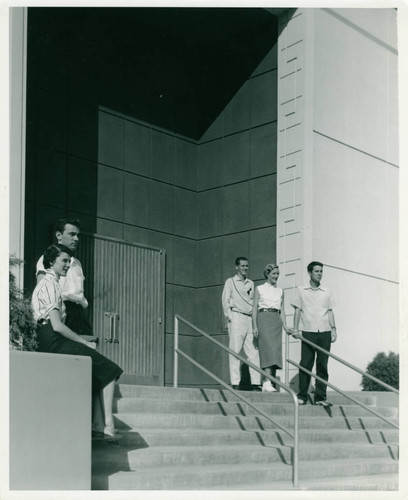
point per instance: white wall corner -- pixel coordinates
(18, 75)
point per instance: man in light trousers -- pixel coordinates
(237, 300)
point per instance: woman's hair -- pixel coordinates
(268, 269)
(52, 252)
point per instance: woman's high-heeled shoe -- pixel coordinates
(111, 433)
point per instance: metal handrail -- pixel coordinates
(344, 362)
(344, 394)
(359, 403)
(294, 435)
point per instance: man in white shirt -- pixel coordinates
(72, 286)
(237, 301)
(313, 309)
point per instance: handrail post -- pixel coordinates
(295, 435)
(295, 479)
(286, 358)
(176, 338)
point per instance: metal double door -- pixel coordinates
(124, 285)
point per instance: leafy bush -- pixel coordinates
(21, 321)
(385, 368)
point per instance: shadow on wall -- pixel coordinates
(117, 99)
(133, 62)
(175, 68)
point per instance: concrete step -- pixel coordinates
(192, 439)
(377, 482)
(135, 458)
(273, 406)
(209, 437)
(236, 475)
(194, 394)
(196, 421)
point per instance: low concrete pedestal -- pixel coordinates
(50, 421)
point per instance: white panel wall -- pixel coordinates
(355, 178)
(355, 75)
(294, 168)
(355, 210)
(365, 322)
(338, 172)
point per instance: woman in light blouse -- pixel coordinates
(55, 337)
(268, 318)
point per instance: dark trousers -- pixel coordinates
(77, 319)
(308, 353)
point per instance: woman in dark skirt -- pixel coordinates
(268, 318)
(54, 336)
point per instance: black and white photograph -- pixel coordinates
(205, 225)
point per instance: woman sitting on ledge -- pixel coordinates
(54, 336)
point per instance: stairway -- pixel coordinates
(206, 439)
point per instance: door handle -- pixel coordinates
(110, 338)
(115, 320)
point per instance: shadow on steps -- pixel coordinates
(111, 455)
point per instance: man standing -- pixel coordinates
(237, 300)
(313, 309)
(72, 286)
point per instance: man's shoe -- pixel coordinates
(235, 387)
(323, 402)
(301, 402)
(256, 388)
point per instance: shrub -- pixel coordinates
(21, 321)
(385, 368)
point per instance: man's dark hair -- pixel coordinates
(59, 226)
(238, 260)
(311, 266)
(52, 252)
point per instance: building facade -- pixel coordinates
(213, 133)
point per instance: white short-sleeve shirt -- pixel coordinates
(270, 297)
(315, 304)
(72, 285)
(46, 297)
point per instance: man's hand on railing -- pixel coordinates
(296, 334)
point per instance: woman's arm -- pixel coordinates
(296, 333)
(282, 313)
(255, 312)
(59, 327)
